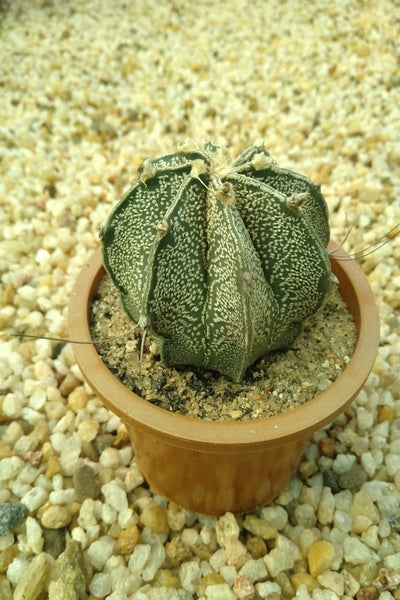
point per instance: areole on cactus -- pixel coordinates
(220, 260)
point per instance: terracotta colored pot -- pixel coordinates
(211, 467)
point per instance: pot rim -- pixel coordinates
(300, 421)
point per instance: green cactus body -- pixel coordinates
(221, 261)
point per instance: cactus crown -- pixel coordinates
(220, 260)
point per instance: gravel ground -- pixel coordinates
(88, 90)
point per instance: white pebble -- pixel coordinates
(365, 418)
(127, 518)
(154, 562)
(133, 478)
(27, 293)
(114, 495)
(226, 527)
(392, 463)
(34, 536)
(25, 444)
(139, 557)
(277, 561)
(342, 520)
(275, 515)
(10, 467)
(108, 514)
(35, 498)
(326, 506)
(357, 553)
(13, 432)
(100, 585)
(110, 457)
(324, 595)
(12, 405)
(220, 591)
(189, 574)
(368, 463)
(229, 573)
(88, 513)
(65, 423)
(126, 454)
(384, 528)
(79, 535)
(100, 550)
(392, 562)
(301, 592)
(343, 463)
(190, 536)
(333, 581)
(62, 496)
(254, 569)
(16, 569)
(32, 416)
(386, 595)
(218, 559)
(69, 456)
(370, 537)
(305, 516)
(267, 588)
(37, 399)
(92, 532)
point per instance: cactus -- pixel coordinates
(220, 260)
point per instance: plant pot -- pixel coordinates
(214, 467)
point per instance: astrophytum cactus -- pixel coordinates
(220, 261)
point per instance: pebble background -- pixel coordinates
(87, 91)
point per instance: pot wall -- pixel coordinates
(213, 482)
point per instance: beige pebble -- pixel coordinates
(88, 429)
(243, 587)
(154, 516)
(41, 431)
(177, 552)
(34, 579)
(210, 579)
(28, 350)
(236, 552)
(167, 579)
(7, 556)
(128, 539)
(226, 527)
(364, 505)
(77, 399)
(256, 546)
(5, 450)
(303, 578)
(333, 581)
(202, 551)
(54, 409)
(42, 370)
(53, 467)
(260, 527)
(110, 457)
(320, 556)
(176, 517)
(69, 383)
(122, 436)
(360, 523)
(56, 517)
(13, 433)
